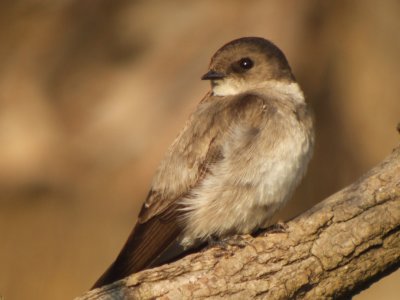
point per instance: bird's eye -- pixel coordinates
(246, 63)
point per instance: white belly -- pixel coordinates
(244, 194)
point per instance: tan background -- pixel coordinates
(93, 92)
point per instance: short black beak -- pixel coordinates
(212, 75)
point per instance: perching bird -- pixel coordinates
(235, 163)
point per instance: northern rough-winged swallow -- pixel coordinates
(235, 163)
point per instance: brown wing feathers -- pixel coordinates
(150, 238)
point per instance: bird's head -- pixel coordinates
(245, 64)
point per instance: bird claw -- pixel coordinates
(280, 227)
(239, 241)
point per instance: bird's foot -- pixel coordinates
(239, 241)
(227, 244)
(279, 227)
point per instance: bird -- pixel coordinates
(235, 163)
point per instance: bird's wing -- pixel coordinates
(187, 163)
(199, 146)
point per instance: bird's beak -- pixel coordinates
(213, 75)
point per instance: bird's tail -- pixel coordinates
(150, 244)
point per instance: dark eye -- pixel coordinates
(246, 63)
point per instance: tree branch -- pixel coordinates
(333, 250)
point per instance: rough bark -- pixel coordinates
(333, 250)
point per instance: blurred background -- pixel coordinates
(93, 92)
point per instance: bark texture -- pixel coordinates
(333, 250)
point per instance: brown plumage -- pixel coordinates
(235, 163)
